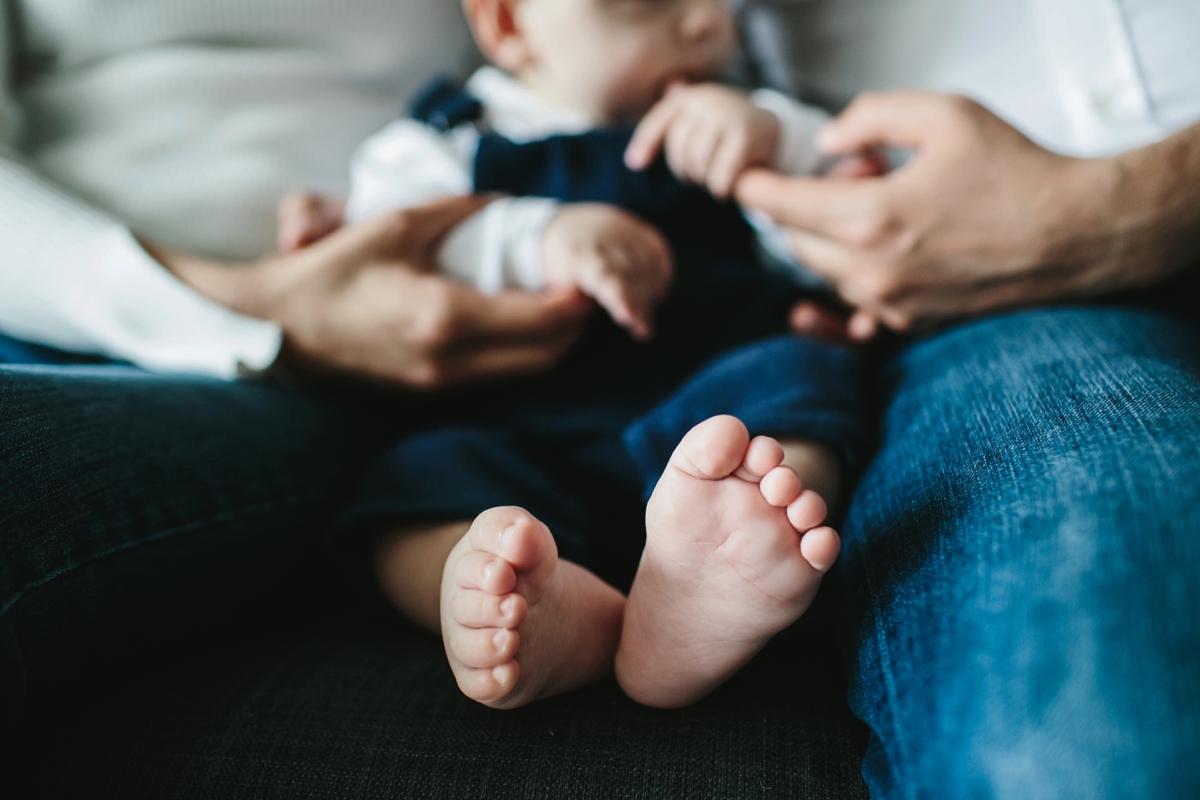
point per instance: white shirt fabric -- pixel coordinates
(1082, 77)
(185, 120)
(410, 163)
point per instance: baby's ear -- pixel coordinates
(499, 33)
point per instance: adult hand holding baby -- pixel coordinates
(365, 299)
(979, 219)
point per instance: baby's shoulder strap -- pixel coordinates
(444, 105)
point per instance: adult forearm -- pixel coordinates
(243, 288)
(1155, 227)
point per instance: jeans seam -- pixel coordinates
(180, 530)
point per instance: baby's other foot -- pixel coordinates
(733, 556)
(518, 623)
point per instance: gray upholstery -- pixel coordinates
(343, 707)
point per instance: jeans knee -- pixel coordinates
(1061, 406)
(1022, 562)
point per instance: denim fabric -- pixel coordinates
(1019, 585)
(1021, 574)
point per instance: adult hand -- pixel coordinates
(981, 218)
(365, 300)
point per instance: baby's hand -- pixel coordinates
(711, 134)
(618, 260)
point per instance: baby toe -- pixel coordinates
(763, 455)
(488, 531)
(477, 609)
(484, 572)
(713, 449)
(481, 648)
(820, 548)
(528, 544)
(780, 487)
(807, 511)
(488, 685)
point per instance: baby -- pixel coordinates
(660, 401)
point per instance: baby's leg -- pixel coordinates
(733, 555)
(518, 623)
(818, 466)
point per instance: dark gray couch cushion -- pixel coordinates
(350, 708)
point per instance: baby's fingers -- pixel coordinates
(628, 310)
(651, 134)
(729, 162)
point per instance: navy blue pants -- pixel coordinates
(584, 460)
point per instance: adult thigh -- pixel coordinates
(134, 507)
(1022, 566)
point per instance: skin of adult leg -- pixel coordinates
(1021, 568)
(136, 508)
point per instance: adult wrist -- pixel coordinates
(241, 288)
(1136, 216)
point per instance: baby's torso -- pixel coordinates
(721, 297)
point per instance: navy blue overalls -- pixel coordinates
(582, 446)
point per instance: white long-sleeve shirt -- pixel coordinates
(409, 163)
(184, 121)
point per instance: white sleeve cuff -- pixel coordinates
(797, 153)
(500, 247)
(75, 279)
(147, 316)
(115, 300)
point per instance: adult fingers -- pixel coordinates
(485, 361)
(303, 218)
(411, 235)
(867, 164)
(416, 230)
(875, 119)
(834, 208)
(651, 133)
(832, 260)
(555, 313)
(817, 322)
(862, 326)
(854, 276)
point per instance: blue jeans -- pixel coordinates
(1018, 593)
(1020, 585)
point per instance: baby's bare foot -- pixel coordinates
(733, 556)
(518, 623)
